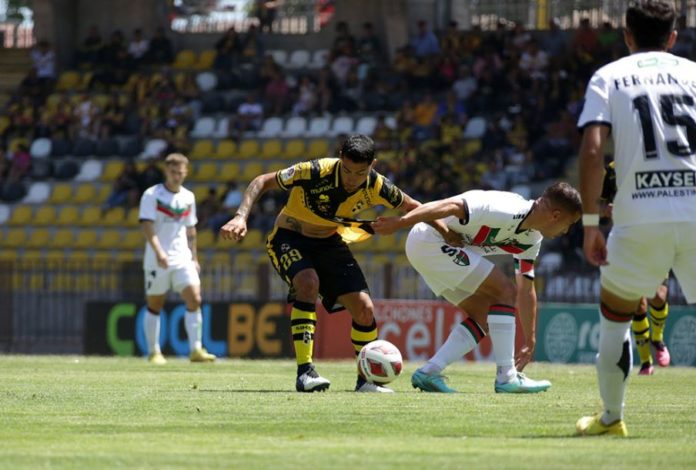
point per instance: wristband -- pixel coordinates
(590, 220)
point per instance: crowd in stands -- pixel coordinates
(472, 109)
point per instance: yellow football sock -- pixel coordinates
(658, 318)
(361, 335)
(641, 333)
(303, 321)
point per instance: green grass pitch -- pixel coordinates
(94, 412)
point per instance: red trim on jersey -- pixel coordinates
(481, 236)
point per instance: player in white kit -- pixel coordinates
(647, 101)
(490, 223)
(168, 220)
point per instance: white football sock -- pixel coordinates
(459, 342)
(614, 349)
(501, 329)
(152, 332)
(194, 321)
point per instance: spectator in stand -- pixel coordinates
(160, 50)
(383, 135)
(685, 46)
(451, 41)
(554, 41)
(252, 49)
(452, 107)
(20, 164)
(489, 61)
(115, 68)
(125, 192)
(369, 50)
(465, 85)
(150, 176)
(343, 62)
(137, 48)
(225, 206)
(326, 89)
(266, 12)
(44, 61)
(425, 117)
(207, 209)
(276, 93)
(344, 41)
(33, 87)
(249, 117)
(228, 48)
(585, 42)
(534, 61)
(89, 52)
(112, 118)
(86, 119)
(306, 97)
(425, 43)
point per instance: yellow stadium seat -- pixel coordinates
(8, 255)
(21, 215)
(111, 170)
(44, 215)
(86, 239)
(206, 59)
(229, 171)
(205, 239)
(85, 81)
(318, 148)
(90, 216)
(127, 255)
(61, 193)
(225, 149)
(251, 171)
(273, 167)
(133, 239)
(471, 147)
(271, 149)
(14, 238)
(16, 142)
(63, 238)
(254, 240)
(109, 239)
(68, 80)
(55, 256)
(68, 215)
(39, 238)
(202, 149)
(103, 193)
(115, 216)
(53, 101)
(133, 218)
(200, 192)
(85, 193)
(244, 258)
(185, 59)
(4, 124)
(249, 149)
(294, 149)
(205, 172)
(79, 255)
(102, 101)
(32, 255)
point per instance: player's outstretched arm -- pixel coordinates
(527, 307)
(591, 175)
(428, 212)
(236, 227)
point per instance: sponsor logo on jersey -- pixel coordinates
(665, 179)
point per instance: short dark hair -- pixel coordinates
(358, 148)
(651, 22)
(564, 197)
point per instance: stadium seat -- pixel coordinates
(83, 148)
(90, 216)
(320, 58)
(9, 255)
(133, 218)
(185, 59)
(154, 148)
(106, 148)
(131, 147)
(274, 167)
(86, 239)
(40, 148)
(205, 172)
(206, 81)
(226, 149)
(202, 149)
(85, 193)
(103, 193)
(295, 127)
(279, 57)
(21, 215)
(38, 193)
(16, 142)
(390, 122)
(272, 127)
(115, 217)
(249, 149)
(205, 239)
(5, 213)
(62, 192)
(271, 149)
(132, 239)
(44, 215)
(14, 238)
(68, 216)
(318, 127)
(254, 240)
(111, 171)
(475, 128)
(206, 59)
(298, 59)
(366, 125)
(342, 125)
(294, 149)
(222, 130)
(38, 238)
(109, 239)
(60, 147)
(229, 171)
(68, 80)
(251, 170)
(318, 148)
(62, 238)
(90, 170)
(203, 128)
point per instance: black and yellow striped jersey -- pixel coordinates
(317, 196)
(609, 183)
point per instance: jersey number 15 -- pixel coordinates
(667, 102)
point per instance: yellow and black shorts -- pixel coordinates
(338, 271)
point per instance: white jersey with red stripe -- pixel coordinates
(171, 213)
(648, 100)
(493, 227)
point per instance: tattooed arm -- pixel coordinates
(235, 228)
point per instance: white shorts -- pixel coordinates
(639, 256)
(158, 280)
(451, 272)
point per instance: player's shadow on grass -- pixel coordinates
(271, 391)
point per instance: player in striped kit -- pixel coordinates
(490, 223)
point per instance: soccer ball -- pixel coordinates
(379, 362)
